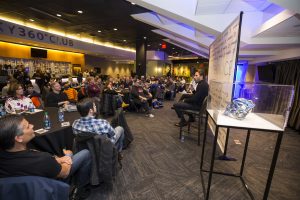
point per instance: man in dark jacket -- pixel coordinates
(193, 101)
(56, 98)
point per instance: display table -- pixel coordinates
(251, 122)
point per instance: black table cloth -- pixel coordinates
(57, 138)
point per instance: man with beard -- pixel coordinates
(193, 101)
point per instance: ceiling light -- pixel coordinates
(32, 20)
(124, 40)
(132, 3)
(115, 29)
(145, 37)
(80, 11)
(58, 15)
(99, 31)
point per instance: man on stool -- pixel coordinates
(193, 101)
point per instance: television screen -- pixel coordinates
(266, 73)
(38, 53)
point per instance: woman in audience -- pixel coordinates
(93, 89)
(17, 102)
(99, 82)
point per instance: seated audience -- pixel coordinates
(56, 98)
(110, 90)
(17, 101)
(193, 101)
(17, 160)
(93, 89)
(30, 92)
(71, 93)
(141, 97)
(99, 82)
(10, 80)
(39, 79)
(170, 89)
(88, 123)
(34, 96)
(72, 83)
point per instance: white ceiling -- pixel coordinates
(270, 28)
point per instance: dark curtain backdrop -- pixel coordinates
(288, 73)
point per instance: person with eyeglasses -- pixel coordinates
(17, 102)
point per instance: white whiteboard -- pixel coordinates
(223, 54)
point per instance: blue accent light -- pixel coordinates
(187, 26)
(239, 90)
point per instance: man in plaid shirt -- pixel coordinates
(88, 123)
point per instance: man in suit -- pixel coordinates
(193, 101)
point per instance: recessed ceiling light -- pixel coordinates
(58, 15)
(115, 29)
(99, 31)
(132, 3)
(32, 20)
(80, 11)
(124, 40)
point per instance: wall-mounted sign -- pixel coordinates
(19, 31)
(15, 31)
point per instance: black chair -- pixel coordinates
(198, 115)
(120, 120)
(132, 105)
(104, 156)
(33, 188)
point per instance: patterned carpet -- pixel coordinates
(158, 166)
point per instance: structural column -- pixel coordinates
(141, 49)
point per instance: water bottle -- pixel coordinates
(182, 137)
(31, 107)
(2, 110)
(61, 115)
(47, 123)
